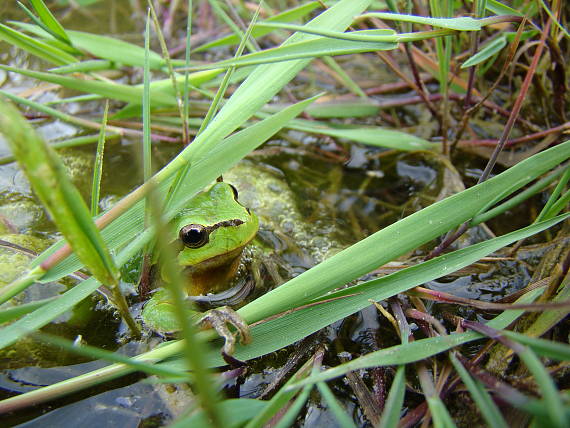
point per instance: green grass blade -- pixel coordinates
(393, 408)
(440, 416)
(115, 91)
(226, 79)
(98, 168)
(401, 237)
(499, 8)
(487, 51)
(268, 336)
(71, 142)
(47, 313)
(53, 187)
(549, 319)
(146, 143)
(487, 407)
(461, 24)
(126, 228)
(288, 419)
(559, 205)
(553, 402)
(281, 398)
(517, 199)
(554, 195)
(343, 419)
(384, 36)
(213, 108)
(314, 48)
(345, 77)
(287, 16)
(369, 135)
(49, 20)
(15, 312)
(550, 394)
(103, 47)
(84, 67)
(263, 83)
(336, 306)
(417, 350)
(242, 410)
(223, 16)
(35, 47)
(96, 353)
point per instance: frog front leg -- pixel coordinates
(219, 319)
(158, 314)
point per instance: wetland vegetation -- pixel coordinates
(391, 227)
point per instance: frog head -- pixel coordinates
(209, 236)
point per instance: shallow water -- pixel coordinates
(345, 192)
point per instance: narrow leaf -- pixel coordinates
(35, 47)
(464, 23)
(54, 188)
(486, 52)
(318, 47)
(49, 20)
(287, 16)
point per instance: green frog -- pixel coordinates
(209, 237)
(212, 234)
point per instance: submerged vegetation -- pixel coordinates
(409, 168)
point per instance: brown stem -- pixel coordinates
(450, 238)
(515, 141)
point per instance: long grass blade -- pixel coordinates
(46, 17)
(54, 188)
(35, 47)
(287, 16)
(98, 168)
(484, 402)
(314, 48)
(393, 407)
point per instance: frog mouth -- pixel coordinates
(230, 297)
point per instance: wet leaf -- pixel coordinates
(54, 188)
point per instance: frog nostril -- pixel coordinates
(194, 235)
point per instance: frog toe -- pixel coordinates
(220, 319)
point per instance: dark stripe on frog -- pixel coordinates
(225, 223)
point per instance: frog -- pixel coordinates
(222, 234)
(209, 237)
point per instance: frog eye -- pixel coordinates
(194, 235)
